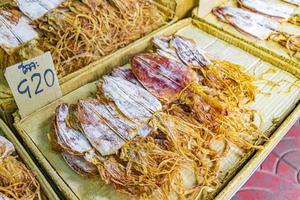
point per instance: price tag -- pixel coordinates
(34, 83)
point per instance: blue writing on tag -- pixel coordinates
(36, 78)
(28, 67)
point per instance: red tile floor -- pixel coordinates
(278, 178)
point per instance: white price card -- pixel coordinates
(34, 83)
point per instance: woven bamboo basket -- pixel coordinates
(279, 113)
(268, 47)
(46, 187)
(175, 8)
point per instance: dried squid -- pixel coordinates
(106, 123)
(179, 133)
(259, 26)
(252, 23)
(102, 137)
(166, 78)
(76, 33)
(17, 36)
(146, 148)
(194, 112)
(181, 49)
(15, 29)
(114, 127)
(291, 42)
(3, 197)
(125, 73)
(36, 9)
(171, 81)
(6, 148)
(272, 9)
(16, 181)
(216, 74)
(75, 148)
(134, 102)
(80, 32)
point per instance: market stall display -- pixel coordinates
(125, 131)
(204, 114)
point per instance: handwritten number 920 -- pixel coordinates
(36, 80)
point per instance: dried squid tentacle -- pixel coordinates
(187, 140)
(291, 42)
(220, 106)
(141, 168)
(295, 19)
(229, 80)
(17, 182)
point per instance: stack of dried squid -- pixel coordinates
(152, 125)
(262, 19)
(16, 181)
(77, 32)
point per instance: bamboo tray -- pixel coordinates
(279, 113)
(178, 8)
(47, 189)
(270, 47)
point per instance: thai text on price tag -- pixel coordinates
(34, 83)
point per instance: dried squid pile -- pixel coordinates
(79, 32)
(262, 19)
(152, 125)
(16, 181)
